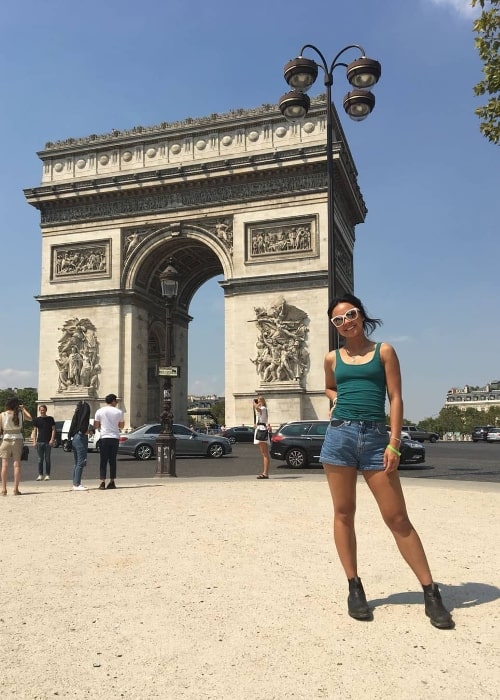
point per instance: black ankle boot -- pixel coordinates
(356, 602)
(435, 610)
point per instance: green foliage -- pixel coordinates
(452, 420)
(487, 42)
(27, 396)
(218, 410)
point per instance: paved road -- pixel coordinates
(465, 461)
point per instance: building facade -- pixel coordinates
(242, 195)
(480, 398)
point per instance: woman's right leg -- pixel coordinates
(17, 475)
(342, 483)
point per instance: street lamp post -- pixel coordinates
(165, 442)
(300, 74)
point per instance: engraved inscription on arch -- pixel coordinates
(81, 259)
(283, 239)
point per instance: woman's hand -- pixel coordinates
(391, 460)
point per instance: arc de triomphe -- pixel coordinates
(242, 195)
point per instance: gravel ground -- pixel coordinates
(231, 589)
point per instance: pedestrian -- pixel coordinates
(44, 435)
(109, 420)
(357, 378)
(262, 433)
(79, 435)
(11, 428)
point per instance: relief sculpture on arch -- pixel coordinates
(281, 343)
(78, 360)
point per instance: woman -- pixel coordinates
(79, 435)
(262, 423)
(357, 379)
(11, 426)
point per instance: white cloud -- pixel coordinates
(17, 378)
(462, 7)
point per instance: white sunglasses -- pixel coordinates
(350, 315)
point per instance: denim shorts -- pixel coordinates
(353, 443)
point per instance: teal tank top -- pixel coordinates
(361, 389)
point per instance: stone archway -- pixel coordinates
(242, 195)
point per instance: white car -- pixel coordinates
(493, 435)
(93, 439)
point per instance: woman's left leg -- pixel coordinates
(5, 467)
(17, 476)
(264, 451)
(386, 487)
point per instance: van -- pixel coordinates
(94, 439)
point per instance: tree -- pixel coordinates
(27, 396)
(487, 29)
(219, 411)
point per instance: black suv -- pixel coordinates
(299, 444)
(480, 432)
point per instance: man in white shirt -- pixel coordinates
(109, 420)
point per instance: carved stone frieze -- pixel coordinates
(343, 258)
(188, 198)
(132, 237)
(220, 227)
(78, 361)
(281, 343)
(223, 229)
(81, 259)
(282, 239)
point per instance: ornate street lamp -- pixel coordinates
(165, 442)
(300, 74)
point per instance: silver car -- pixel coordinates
(493, 435)
(141, 443)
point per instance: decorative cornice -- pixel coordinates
(227, 166)
(113, 297)
(274, 283)
(188, 124)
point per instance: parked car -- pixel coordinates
(141, 443)
(403, 434)
(240, 433)
(299, 443)
(94, 438)
(412, 451)
(419, 434)
(480, 432)
(493, 435)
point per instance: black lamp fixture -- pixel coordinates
(300, 74)
(166, 442)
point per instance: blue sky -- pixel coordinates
(427, 257)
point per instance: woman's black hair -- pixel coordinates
(369, 324)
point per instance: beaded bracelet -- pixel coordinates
(392, 437)
(393, 449)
